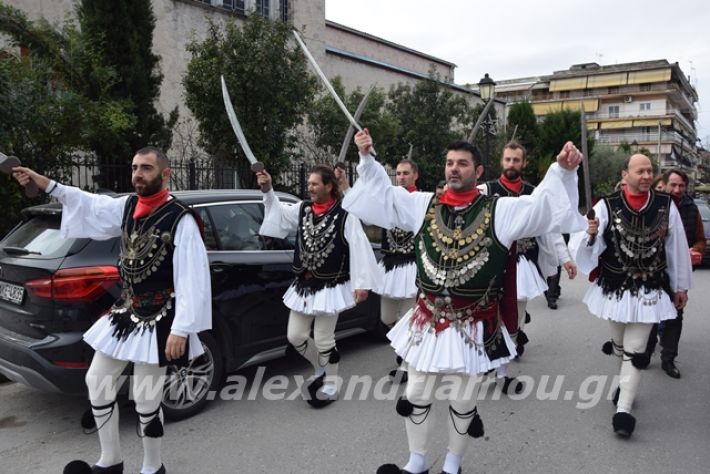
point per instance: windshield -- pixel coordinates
(39, 237)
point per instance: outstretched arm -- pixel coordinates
(84, 214)
(279, 218)
(373, 198)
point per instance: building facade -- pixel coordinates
(359, 58)
(649, 104)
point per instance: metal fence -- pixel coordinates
(193, 174)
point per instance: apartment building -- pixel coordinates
(647, 104)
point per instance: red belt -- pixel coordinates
(442, 311)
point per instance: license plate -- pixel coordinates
(11, 293)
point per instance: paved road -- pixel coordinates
(40, 432)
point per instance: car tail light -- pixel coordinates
(70, 365)
(72, 284)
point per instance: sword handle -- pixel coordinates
(591, 215)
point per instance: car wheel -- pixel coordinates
(188, 388)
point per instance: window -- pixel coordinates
(644, 106)
(613, 90)
(284, 10)
(262, 8)
(613, 111)
(564, 95)
(209, 237)
(645, 87)
(236, 227)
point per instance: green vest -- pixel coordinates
(458, 253)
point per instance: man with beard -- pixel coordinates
(536, 257)
(165, 299)
(675, 183)
(644, 273)
(454, 333)
(399, 286)
(334, 266)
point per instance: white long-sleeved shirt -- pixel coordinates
(551, 208)
(99, 217)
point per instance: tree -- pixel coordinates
(44, 117)
(429, 117)
(522, 120)
(555, 131)
(605, 167)
(119, 36)
(269, 86)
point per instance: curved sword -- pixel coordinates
(328, 85)
(351, 130)
(256, 166)
(585, 171)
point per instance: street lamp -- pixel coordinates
(487, 89)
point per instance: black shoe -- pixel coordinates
(314, 397)
(527, 317)
(81, 467)
(399, 376)
(552, 304)
(624, 424)
(669, 367)
(508, 381)
(444, 472)
(393, 469)
(161, 470)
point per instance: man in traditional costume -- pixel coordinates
(461, 245)
(334, 266)
(536, 257)
(399, 286)
(643, 275)
(165, 299)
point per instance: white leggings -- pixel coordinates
(392, 309)
(147, 389)
(317, 351)
(461, 390)
(630, 338)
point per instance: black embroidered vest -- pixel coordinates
(635, 256)
(322, 256)
(145, 264)
(397, 248)
(527, 246)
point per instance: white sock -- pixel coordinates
(329, 389)
(416, 464)
(623, 410)
(319, 371)
(502, 371)
(452, 463)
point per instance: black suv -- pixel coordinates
(53, 289)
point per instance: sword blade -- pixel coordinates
(329, 86)
(235, 124)
(585, 161)
(351, 130)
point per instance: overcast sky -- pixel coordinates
(510, 39)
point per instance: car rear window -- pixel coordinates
(40, 237)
